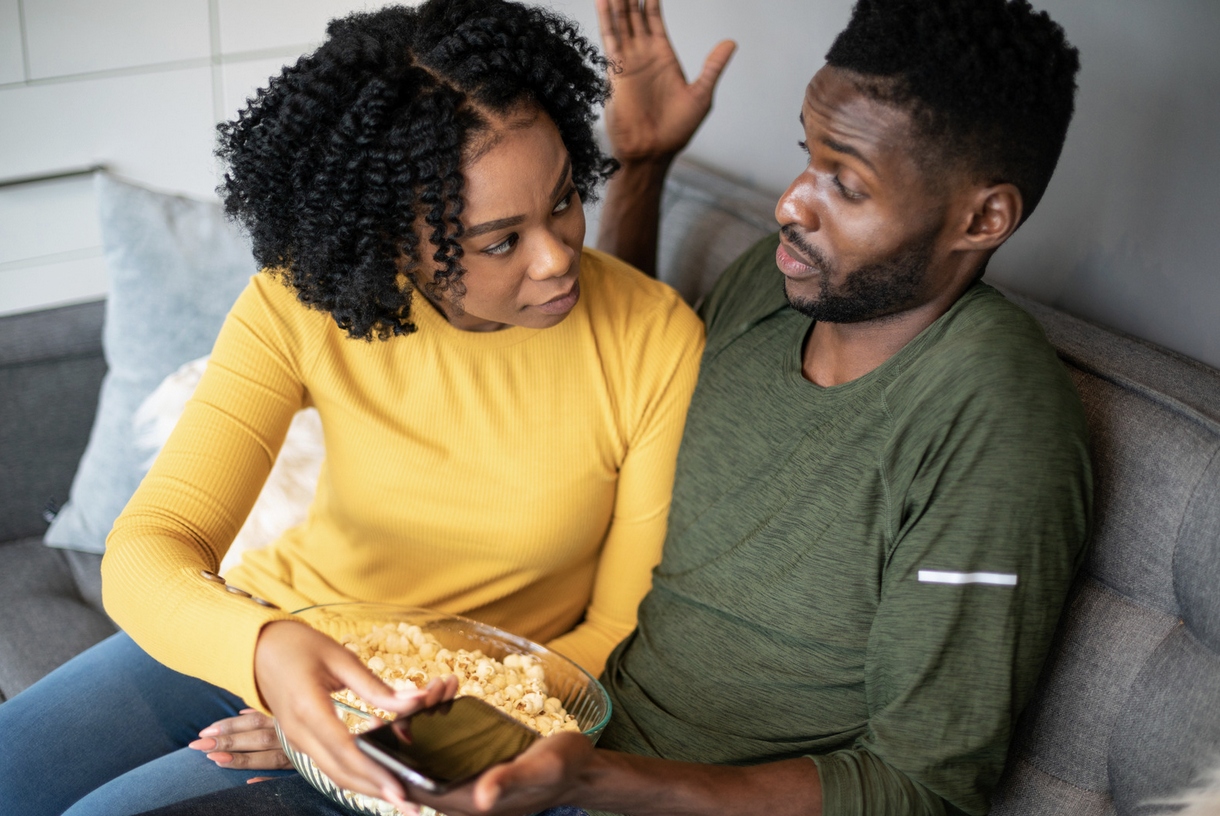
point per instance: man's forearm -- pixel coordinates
(632, 211)
(643, 786)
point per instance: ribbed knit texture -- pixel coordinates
(520, 477)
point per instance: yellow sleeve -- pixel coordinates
(659, 371)
(199, 491)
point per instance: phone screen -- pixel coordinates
(443, 746)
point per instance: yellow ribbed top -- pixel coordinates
(520, 477)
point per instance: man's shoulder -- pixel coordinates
(750, 289)
(989, 355)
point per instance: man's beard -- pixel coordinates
(867, 292)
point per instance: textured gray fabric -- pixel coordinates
(1169, 730)
(175, 266)
(50, 610)
(1147, 461)
(1067, 728)
(50, 368)
(1196, 569)
(1030, 792)
(1129, 704)
(706, 222)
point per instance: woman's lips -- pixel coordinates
(792, 266)
(563, 303)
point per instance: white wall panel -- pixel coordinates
(12, 68)
(156, 128)
(77, 279)
(252, 25)
(78, 36)
(47, 218)
(240, 80)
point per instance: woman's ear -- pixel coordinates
(993, 214)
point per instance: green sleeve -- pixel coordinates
(987, 471)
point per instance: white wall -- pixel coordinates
(1124, 236)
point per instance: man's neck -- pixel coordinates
(837, 353)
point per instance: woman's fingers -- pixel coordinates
(275, 760)
(248, 720)
(261, 739)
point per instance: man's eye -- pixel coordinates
(502, 247)
(803, 146)
(565, 202)
(849, 194)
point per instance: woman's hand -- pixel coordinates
(653, 112)
(244, 742)
(544, 775)
(297, 668)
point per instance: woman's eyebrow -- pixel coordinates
(514, 220)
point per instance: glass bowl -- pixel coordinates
(582, 696)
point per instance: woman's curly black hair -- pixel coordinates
(991, 83)
(330, 166)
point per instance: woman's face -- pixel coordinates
(524, 230)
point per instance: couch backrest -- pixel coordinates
(1128, 708)
(51, 366)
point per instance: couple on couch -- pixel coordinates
(881, 491)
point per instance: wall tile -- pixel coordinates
(47, 218)
(251, 25)
(239, 80)
(156, 128)
(78, 36)
(24, 288)
(11, 67)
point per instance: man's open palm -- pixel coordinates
(654, 112)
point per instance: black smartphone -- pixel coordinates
(441, 747)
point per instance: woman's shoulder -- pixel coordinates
(615, 289)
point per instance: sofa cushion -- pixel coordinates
(175, 267)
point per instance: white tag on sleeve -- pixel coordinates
(994, 578)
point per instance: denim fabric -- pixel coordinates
(105, 734)
(278, 797)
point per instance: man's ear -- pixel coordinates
(991, 215)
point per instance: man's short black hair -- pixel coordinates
(990, 83)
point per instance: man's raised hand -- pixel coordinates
(654, 112)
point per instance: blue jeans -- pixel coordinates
(105, 734)
(279, 797)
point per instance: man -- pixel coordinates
(883, 490)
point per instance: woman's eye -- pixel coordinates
(502, 247)
(564, 203)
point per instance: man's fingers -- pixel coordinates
(653, 18)
(713, 67)
(605, 21)
(620, 12)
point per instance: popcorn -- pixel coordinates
(404, 656)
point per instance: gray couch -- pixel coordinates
(1128, 709)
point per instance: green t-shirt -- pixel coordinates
(868, 574)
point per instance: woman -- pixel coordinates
(501, 408)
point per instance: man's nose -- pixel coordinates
(552, 259)
(798, 204)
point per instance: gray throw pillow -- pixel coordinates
(176, 266)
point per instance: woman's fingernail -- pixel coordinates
(210, 731)
(221, 758)
(202, 744)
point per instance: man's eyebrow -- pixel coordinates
(839, 147)
(514, 220)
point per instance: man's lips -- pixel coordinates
(794, 265)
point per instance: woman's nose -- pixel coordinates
(553, 258)
(798, 204)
